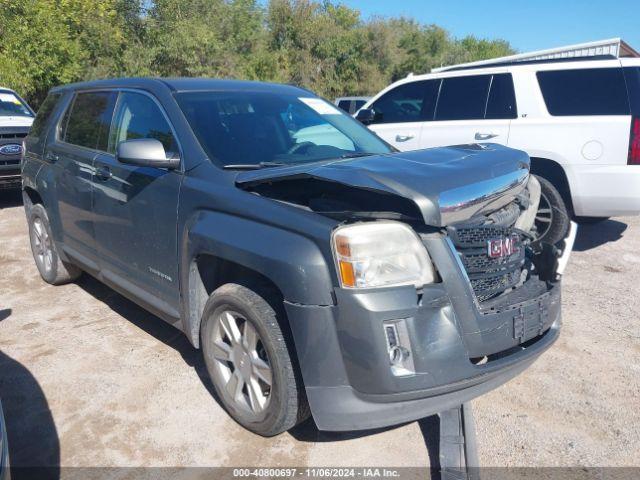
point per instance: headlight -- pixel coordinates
(381, 254)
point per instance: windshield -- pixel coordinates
(12, 106)
(267, 129)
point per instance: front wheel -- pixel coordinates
(552, 220)
(248, 361)
(51, 267)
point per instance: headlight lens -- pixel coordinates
(381, 254)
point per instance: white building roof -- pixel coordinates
(614, 46)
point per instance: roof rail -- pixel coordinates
(611, 48)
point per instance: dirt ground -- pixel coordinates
(87, 378)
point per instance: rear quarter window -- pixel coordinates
(632, 76)
(596, 91)
(44, 114)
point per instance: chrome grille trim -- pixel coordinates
(488, 276)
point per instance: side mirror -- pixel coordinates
(145, 152)
(366, 116)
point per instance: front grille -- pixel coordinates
(489, 276)
(13, 135)
(4, 163)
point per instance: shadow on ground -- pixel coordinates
(31, 432)
(596, 234)
(305, 432)
(10, 198)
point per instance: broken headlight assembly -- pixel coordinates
(381, 254)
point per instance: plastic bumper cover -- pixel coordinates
(344, 358)
(343, 408)
(348, 379)
(10, 177)
(606, 191)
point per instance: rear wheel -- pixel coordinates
(249, 363)
(552, 219)
(51, 267)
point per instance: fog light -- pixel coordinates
(399, 348)
(395, 355)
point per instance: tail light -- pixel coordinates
(634, 142)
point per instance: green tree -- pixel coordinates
(321, 45)
(49, 42)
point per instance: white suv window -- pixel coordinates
(409, 102)
(595, 91)
(463, 98)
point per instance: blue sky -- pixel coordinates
(527, 25)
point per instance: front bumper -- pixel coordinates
(10, 176)
(343, 350)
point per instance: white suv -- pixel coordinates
(578, 119)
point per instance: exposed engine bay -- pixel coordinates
(498, 249)
(481, 197)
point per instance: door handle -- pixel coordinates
(51, 157)
(403, 138)
(485, 136)
(103, 173)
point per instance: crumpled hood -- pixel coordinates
(448, 185)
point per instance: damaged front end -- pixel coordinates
(480, 196)
(486, 310)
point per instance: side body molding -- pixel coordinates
(291, 261)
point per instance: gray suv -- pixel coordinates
(321, 271)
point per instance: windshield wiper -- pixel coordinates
(252, 166)
(356, 155)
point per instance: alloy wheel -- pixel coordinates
(544, 216)
(242, 363)
(43, 250)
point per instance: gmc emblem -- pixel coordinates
(502, 247)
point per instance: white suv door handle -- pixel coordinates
(485, 136)
(403, 138)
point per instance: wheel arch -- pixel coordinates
(30, 197)
(555, 173)
(215, 252)
(208, 272)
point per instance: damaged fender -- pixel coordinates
(297, 267)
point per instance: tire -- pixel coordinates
(591, 220)
(255, 378)
(51, 267)
(552, 220)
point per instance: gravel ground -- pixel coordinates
(87, 378)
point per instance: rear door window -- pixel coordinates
(409, 102)
(87, 120)
(463, 98)
(595, 91)
(502, 98)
